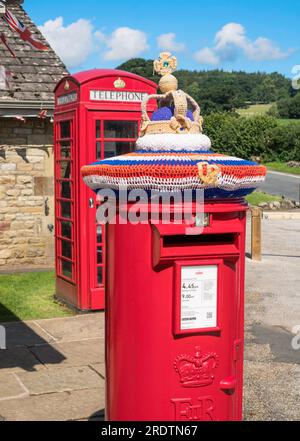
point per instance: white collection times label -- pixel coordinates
(199, 297)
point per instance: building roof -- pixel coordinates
(35, 73)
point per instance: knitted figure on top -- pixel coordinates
(172, 153)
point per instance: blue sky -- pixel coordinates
(230, 34)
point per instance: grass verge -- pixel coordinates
(29, 296)
(257, 197)
(282, 167)
(288, 122)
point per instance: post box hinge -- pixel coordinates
(238, 349)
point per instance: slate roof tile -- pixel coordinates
(35, 73)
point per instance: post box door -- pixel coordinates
(206, 295)
(110, 134)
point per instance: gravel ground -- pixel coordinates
(272, 366)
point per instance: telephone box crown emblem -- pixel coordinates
(119, 83)
(196, 370)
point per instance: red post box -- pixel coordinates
(168, 358)
(175, 297)
(97, 115)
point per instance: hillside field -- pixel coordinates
(254, 109)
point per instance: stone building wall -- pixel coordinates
(26, 194)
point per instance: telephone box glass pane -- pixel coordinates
(99, 255)
(99, 234)
(100, 275)
(98, 150)
(67, 269)
(98, 129)
(65, 150)
(120, 129)
(66, 249)
(66, 209)
(66, 190)
(116, 148)
(65, 169)
(66, 229)
(65, 129)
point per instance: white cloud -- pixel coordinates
(73, 43)
(124, 43)
(264, 49)
(207, 56)
(231, 40)
(168, 42)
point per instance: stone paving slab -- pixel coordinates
(75, 353)
(75, 328)
(11, 387)
(75, 405)
(61, 380)
(25, 334)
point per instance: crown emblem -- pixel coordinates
(119, 83)
(208, 173)
(197, 370)
(67, 85)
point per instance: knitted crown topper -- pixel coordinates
(172, 153)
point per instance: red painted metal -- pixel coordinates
(144, 342)
(80, 251)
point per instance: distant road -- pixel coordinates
(282, 184)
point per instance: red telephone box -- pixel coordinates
(97, 115)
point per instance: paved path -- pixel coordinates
(54, 369)
(282, 184)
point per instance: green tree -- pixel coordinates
(217, 90)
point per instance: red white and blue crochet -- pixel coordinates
(175, 162)
(172, 154)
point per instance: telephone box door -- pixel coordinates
(65, 183)
(110, 134)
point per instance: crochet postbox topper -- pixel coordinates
(172, 153)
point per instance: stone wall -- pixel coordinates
(26, 194)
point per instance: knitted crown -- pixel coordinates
(172, 153)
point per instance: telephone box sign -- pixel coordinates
(199, 297)
(66, 99)
(117, 95)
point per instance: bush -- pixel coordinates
(289, 107)
(259, 135)
(273, 111)
(283, 143)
